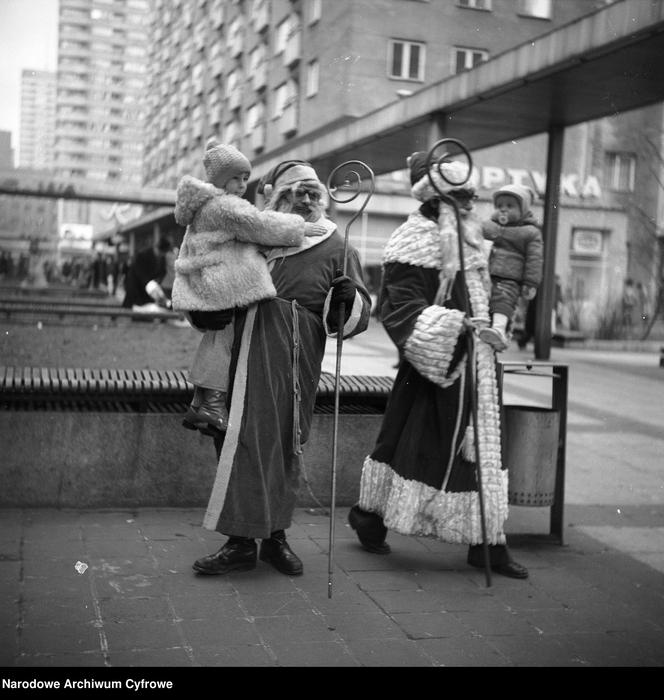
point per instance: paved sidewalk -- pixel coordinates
(138, 603)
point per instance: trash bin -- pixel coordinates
(530, 454)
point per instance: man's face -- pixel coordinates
(465, 199)
(304, 200)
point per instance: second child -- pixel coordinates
(222, 266)
(515, 263)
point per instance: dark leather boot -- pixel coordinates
(276, 551)
(370, 529)
(238, 554)
(213, 412)
(191, 420)
(500, 560)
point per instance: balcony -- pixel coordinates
(259, 75)
(236, 42)
(293, 48)
(288, 120)
(234, 98)
(258, 136)
(261, 18)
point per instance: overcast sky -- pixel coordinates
(28, 39)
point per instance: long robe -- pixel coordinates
(421, 474)
(275, 368)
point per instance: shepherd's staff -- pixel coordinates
(460, 148)
(352, 182)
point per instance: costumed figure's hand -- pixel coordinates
(527, 292)
(475, 323)
(312, 230)
(212, 320)
(343, 291)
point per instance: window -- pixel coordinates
(475, 4)
(313, 11)
(406, 60)
(284, 95)
(313, 70)
(535, 8)
(620, 170)
(466, 58)
(283, 31)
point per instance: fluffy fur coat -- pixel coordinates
(221, 264)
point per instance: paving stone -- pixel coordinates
(271, 604)
(247, 655)
(317, 654)
(228, 631)
(143, 634)
(120, 609)
(389, 653)
(63, 638)
(216, 608)
(304, 628)
(429, 625)
(469, 650)
(160, 658)
(362, 625)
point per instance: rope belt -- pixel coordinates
(297, 394)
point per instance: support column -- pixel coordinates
(544, 298)
(436, 129)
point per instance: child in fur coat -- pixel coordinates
(222, 266)
(516, 258)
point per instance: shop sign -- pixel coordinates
(587, 242)
(489, 177)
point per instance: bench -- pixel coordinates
(113, 312)
(84, 437)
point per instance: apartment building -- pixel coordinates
(100, 95)
(257, 73)
(37, 119)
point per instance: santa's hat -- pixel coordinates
(454, 177)
(288, 175)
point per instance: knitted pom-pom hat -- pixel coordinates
(223, 161)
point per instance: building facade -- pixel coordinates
(100, 95)
(37, 123)
(257, 73)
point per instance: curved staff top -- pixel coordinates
(445, 157)
(353, 183)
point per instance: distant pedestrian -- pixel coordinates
(144, 276)
(629, 304)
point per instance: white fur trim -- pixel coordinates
(353, 319)
(415, 242)
(430, 346)
(231, 441)
(412, 508)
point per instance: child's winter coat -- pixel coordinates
(220, 264)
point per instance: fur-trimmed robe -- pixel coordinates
(220, 264)
(420, 476)
(275, 369)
